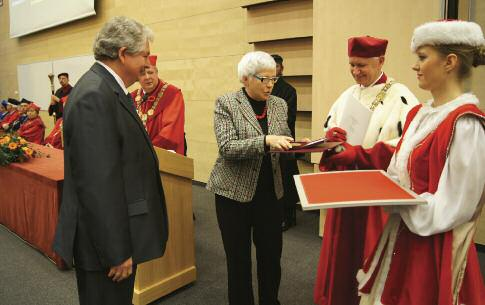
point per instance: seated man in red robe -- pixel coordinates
(12, 114)
(54, 139)
(33, 129)
(161, 109)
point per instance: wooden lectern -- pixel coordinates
(176, 268)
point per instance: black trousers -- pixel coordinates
(289, 167)
(236, 220)
(96, 288)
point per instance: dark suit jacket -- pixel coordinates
(287, 92)
(113, 206)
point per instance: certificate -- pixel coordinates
(355, 120)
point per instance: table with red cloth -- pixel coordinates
(30, 198)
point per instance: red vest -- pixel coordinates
(421, 267)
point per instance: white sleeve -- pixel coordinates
(460, 186)
(334, 115)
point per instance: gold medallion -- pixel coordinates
(137, 98)
(150, 112)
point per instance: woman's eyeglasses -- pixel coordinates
(265, 80)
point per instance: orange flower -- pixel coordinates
(28, 151)
(4, 140)
(13, 146)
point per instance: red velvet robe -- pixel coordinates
(33, 130)
(350, 234)
(421, 267)
(55, 137)
(11, 117)
(166, 126)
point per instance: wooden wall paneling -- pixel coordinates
(477, 87)
(303, 124)
(201, 78)
(205, 153)
(248, 3)
(155, 11)
(478, 76)
(303, 86)
(280, 20)
(297, 54)
(219, 33)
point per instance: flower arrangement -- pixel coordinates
(14, 148)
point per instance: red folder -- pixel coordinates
(352, 189)
(319, 145)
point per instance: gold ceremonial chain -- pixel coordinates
(138, 100)
(380, 96)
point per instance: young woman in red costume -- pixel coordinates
(426, 254)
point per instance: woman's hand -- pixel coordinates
(278, 143)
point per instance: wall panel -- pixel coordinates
(297, 54)
(280, 20)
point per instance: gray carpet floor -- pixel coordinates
(28, 278)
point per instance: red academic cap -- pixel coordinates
(366, 46)
(33, 106)
(152, 59)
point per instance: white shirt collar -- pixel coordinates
(116, 76)
(377, 79)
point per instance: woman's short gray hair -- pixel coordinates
(253, 62)
(121, 32)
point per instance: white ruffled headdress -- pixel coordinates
(447, 32)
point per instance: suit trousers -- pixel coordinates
(236, 220)
(96, 288)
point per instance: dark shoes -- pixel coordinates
(288, 223)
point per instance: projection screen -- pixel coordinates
(29, 16)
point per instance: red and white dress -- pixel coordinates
(426, 253)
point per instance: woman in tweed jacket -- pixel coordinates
(246, 179)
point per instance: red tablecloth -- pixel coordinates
(30, 197)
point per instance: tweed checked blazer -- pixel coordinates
(241, 146)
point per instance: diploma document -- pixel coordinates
(355, 120)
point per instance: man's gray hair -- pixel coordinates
(253, 62)
(121, 32)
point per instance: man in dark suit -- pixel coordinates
(289, 167)
(113, 213)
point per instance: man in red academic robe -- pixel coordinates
(12, 115)
(161, 109)
(350, 234)
(54, 139)
(33, 129)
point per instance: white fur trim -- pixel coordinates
(417, 131)
(447, 32)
